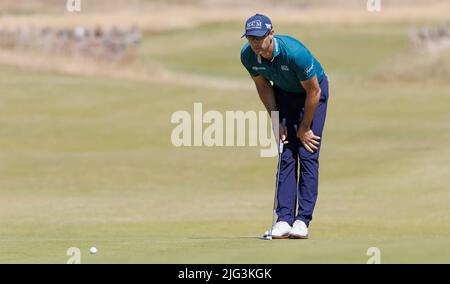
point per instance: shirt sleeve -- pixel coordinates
(245, 61)
(303, 65)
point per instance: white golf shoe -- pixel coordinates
(299, 230)
(281, 230)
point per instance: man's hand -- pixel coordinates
(283, 133)
(308, 139)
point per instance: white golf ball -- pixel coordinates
(93, 250)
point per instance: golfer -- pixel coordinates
(291, 81)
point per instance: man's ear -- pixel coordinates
(271, 35)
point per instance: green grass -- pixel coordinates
(87, 161)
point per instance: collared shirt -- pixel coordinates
(292, 62)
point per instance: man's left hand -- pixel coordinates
(309, 140)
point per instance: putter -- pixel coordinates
(274, 215)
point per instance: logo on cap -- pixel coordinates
(254, 25)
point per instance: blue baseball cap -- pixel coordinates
(257, 25)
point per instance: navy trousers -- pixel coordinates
(291, 107)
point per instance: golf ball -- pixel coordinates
(93, 250)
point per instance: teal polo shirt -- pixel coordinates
(292, 63)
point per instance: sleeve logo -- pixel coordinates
(309, 69)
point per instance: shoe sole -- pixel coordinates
(280, 237)
(293, 236)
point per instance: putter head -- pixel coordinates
(267, 235)
(265, 238)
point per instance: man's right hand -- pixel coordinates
(283, 133)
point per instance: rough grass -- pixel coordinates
(157, 16)
(415, 65)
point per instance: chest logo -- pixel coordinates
(284, 68)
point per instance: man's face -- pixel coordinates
(260, 44)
